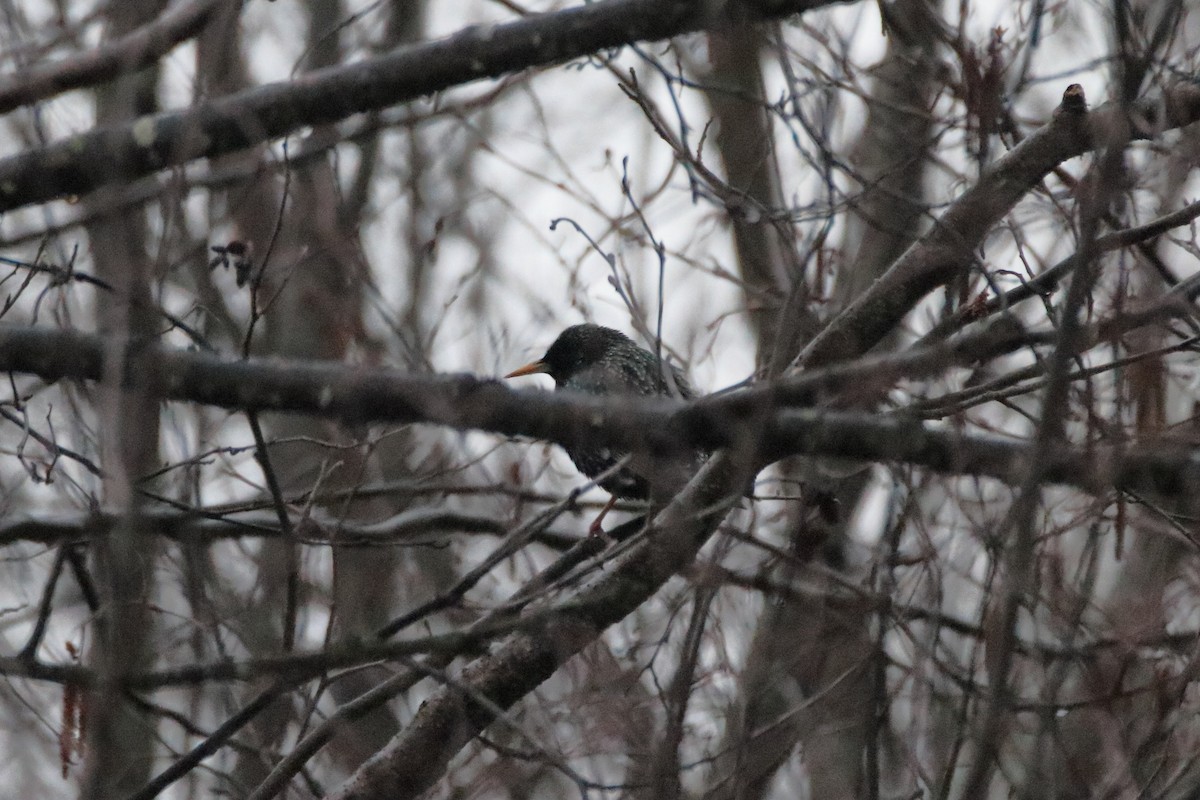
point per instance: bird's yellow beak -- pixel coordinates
(532, 368)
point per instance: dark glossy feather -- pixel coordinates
(596, 360)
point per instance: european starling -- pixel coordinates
(598, 360)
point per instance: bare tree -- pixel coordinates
(274, 528)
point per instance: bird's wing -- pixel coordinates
(686, 390)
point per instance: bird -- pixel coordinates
(596, 360)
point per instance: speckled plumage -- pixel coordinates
(598, 360)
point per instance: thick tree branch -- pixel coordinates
(419, 526)
(758, 423)
(139, 49)
(122, 153)
(450, 718)
(950, 247)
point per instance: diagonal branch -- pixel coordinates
(950, 247)
(448, 720)
(122, 153)
(130, 53)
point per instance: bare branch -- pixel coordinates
(756, 423)
(130, 53)
(950, 247)
(118, 154)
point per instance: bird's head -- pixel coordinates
(575, 349)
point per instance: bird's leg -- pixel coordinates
(595, 528)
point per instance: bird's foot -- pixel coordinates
(596, 528)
